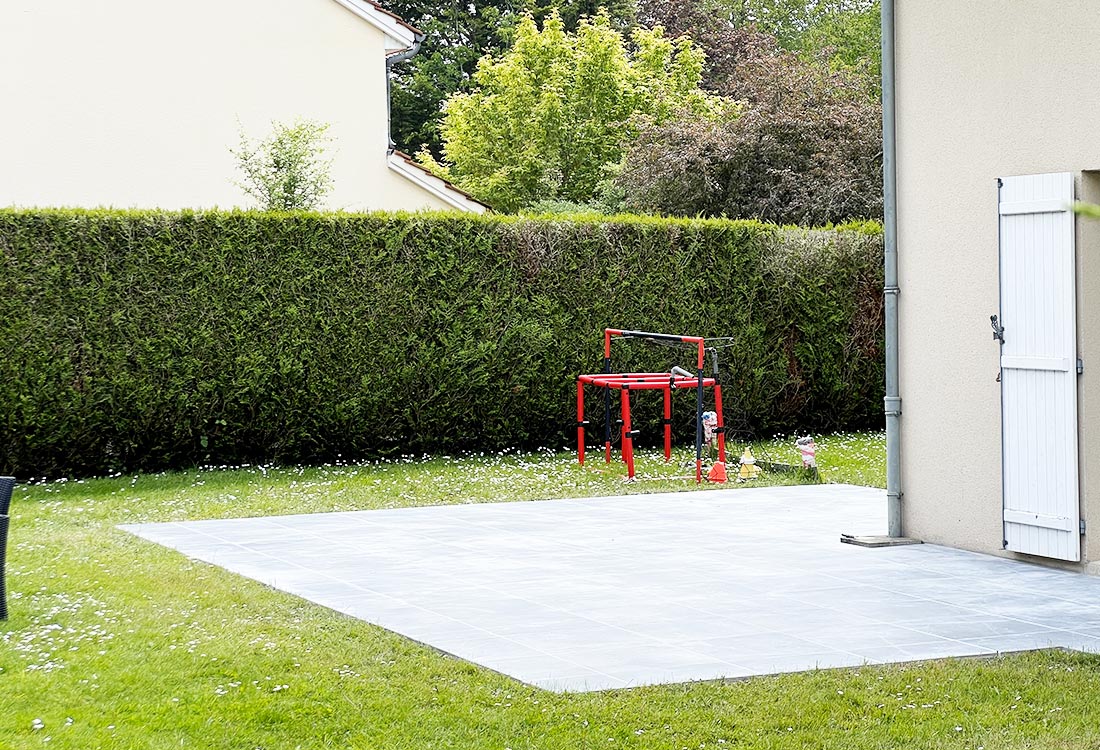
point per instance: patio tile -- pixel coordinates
(742, 649)
(939, 649)
(498, 653)
(1090, 630)
(700, 626)
(1007, 644)
(910, 611)
(597, 648)
(440, 634)
(606, 593)
(531, 667)
(1079, 642)
(968, 630)
(781, 663)
(880, 634)
(1071, 619)
(639, 658)
(795, 618)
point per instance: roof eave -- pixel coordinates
(440, 188)
(399, 35)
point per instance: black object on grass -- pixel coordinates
(7, 484)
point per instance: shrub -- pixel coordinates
(805, 146)
(286, 171)
(149, 340)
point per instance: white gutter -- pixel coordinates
(392, 60)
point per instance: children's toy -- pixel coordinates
(710, 424)
(749, 469)
(808, 450)
(676, 379)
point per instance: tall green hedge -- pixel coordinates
(148, 340)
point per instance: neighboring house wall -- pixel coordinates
(131, 103)
(985, 89)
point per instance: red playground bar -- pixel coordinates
(666, 382)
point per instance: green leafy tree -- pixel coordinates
(846, 32)
(789, 21)
(456, 36)
(286, 171)
(849, 38)
(622, 13)
(550, 117)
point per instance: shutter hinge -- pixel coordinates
(1080, 365)
(1082, 526)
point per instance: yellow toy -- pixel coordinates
(749, 469)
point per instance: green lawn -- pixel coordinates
(117, 643)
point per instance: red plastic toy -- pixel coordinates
(666, 382)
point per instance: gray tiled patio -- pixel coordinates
(618, 592)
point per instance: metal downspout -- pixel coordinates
(890, 230)
(390, 62)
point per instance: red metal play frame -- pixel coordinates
(651, 381)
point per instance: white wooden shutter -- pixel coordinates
(1039, 366)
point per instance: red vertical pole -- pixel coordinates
(628, 439)
(580, 422)
(668, 423)
(721, 423)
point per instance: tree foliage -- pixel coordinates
(850, 39)
(806, 148)
(798, 25)
(846, 32)
(621, 13)
(523, 133)
(704, 24)
(550, 118)
(286, 171)
(456, 36)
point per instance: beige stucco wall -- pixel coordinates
(131, 103)
(1088, 336)
(985, 89)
